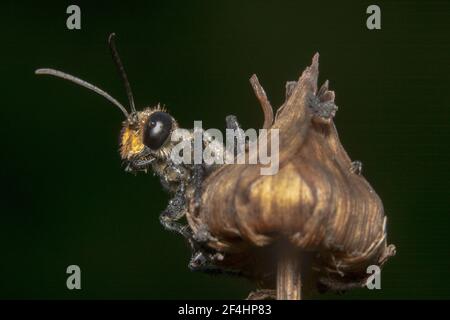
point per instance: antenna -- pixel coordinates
(121, 69)
(66, 76)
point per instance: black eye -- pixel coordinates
(158, 128)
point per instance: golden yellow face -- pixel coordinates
(130, 142)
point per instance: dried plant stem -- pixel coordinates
(289, 280)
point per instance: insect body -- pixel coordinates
(146, 143)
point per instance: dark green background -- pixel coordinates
(66, 199)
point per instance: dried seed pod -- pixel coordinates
(318, 210)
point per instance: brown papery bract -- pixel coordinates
(318, 209)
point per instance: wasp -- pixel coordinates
(146, 144)
(318, 209)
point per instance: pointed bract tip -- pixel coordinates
(315, 59)
(315, 63)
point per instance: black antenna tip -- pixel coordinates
(111, 37)
(121, 69)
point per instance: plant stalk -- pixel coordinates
(289, 280)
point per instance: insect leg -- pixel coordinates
(232, 123)
(202, 235)
(136, 165)
(202, 261)
(198, 177)
(174, 211)
(172, 225)
(164, 183)
(322, 104)
(356, 167)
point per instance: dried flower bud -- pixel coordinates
(318, 202)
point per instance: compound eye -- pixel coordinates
(158, 128)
